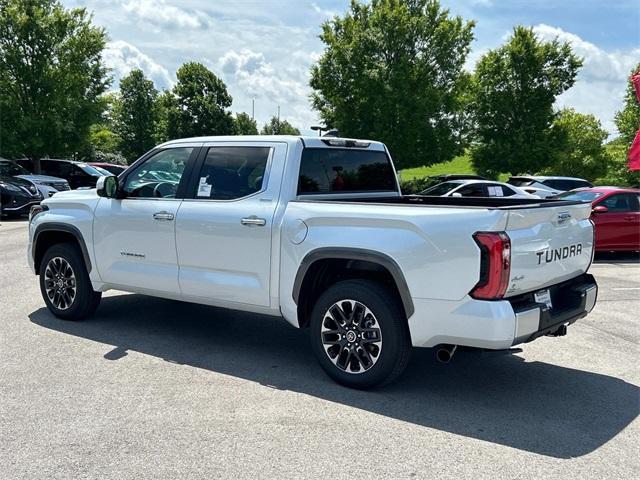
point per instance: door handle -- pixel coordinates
(253, 221)
(628, 218)
(163, 216)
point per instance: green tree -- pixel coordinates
(279, 127)
(103, 139)
(628, 119)
(166, 117)
(618, 172)
(245, 125)
(582, 153)
(392, 70)
(515, 88)
(200, 104)
(134, 115)
(51, 78)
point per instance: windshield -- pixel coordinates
(101, 170)
(440, 189)
(583, 196)
(11, 169)
(93, 171)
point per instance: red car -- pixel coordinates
(616, 214)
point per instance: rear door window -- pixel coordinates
(229, 173)
(330, 170)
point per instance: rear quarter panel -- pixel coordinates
(433, 246)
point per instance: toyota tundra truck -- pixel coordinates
(316, 230)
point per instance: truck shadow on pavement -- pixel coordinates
(536, 407)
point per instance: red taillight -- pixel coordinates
(495, 265)
(593, 244)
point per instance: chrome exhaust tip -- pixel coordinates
(445, 353)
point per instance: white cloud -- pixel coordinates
(324, 12)
(250, 75)
(161, 14)
(122, 57)
(602, 80)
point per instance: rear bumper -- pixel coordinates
(571, 301)
(500, 324)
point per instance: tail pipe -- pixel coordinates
(444, 354)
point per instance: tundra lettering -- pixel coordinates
(559, 253)
(315, 230)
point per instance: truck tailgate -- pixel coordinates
(549, 244)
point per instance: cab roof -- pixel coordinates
(307, 141)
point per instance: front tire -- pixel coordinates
(359, 334)
(65, 284)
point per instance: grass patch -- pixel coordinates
(461, 164)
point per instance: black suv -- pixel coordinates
(78, 174)
(17, 195)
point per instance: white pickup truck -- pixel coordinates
(317, 231)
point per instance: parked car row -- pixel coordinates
(21, 188)
(616, 211)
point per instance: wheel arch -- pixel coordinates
(324, 266)
(51, 233)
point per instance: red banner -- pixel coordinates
(635, 79)
(634, 153)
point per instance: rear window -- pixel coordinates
(440, 189)
(566, 184)
(329, 170)
(582, 196)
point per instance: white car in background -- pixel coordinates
(476, 188)
(545, 187)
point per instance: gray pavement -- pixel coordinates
(151, 388)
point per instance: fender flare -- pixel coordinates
(348, 253)
(61, 227)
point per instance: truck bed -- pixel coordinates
(502, 203)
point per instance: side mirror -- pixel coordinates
(107, 186)
(456, 194)
(600, 209)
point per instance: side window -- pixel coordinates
(498, 191)
(507, 192)
(159, 176)
(625, 202)
(473, 190)
(229, 173)
(76, 171)
(55, 169)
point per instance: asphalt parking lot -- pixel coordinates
(152, 388)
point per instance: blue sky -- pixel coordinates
(263, 49)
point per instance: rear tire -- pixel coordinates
(65, 284)
(359, 334)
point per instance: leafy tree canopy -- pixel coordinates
(515, 88)
(582, 152)
(197, 105)
(393, 71)
(279, 127)
(628, 119)
(134, 114)
(245, 125)
(51, 78)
